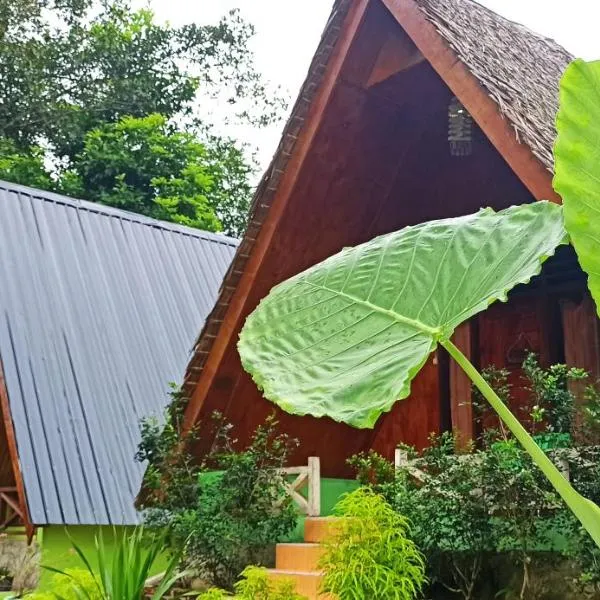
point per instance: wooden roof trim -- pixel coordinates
(465, 86)
(11, 440)
(299, 153)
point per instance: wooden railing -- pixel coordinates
(308, 477)
(10, 511)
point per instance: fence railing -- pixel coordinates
(308, 477)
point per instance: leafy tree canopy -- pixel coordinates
(72, 69)
(145, 165)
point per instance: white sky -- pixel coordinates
(288, 31)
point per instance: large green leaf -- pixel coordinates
(345, 338)
(577, 158)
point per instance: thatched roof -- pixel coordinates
(519, 69)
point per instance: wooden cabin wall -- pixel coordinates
(380, 161)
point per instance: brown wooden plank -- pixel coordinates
(12, 503)
(11, 440)
(461, 407)
(235, 310)
(468, 90)
(398, 53)
(582, 342)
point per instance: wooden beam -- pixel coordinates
(7, 423)
(301, 149)
(398, 53)
(461, 406)
(465, 86)
(582, 342)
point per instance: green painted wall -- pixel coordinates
(331, 491)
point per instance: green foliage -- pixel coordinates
(492, 501)
(256, 585)
(228, 510)
(467, 509)
(123, 577)
(75, 71)
(80, 64)
(67, 585)
(23, 166)
(145, 165)
(214, 594)
(370, 554)
(577, 164)
(346, 337)
(450, 521)
(372, 468)
(554, 401)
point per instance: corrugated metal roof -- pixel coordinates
(99, 309)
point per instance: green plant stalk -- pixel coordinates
(586, 511)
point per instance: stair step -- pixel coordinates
(318, 529)
(307, 582)
(299, 557)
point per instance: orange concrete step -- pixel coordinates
(307, 582)
(318, 529)
(298, 557)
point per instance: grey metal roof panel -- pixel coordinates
(99, 309)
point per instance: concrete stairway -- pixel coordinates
(299, 562)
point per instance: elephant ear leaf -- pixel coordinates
(577, 164)
(345, 338)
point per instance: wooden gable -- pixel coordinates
(372, 157)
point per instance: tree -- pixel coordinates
(63, 79)
(145, 165)
(72, 67)
(23, 166)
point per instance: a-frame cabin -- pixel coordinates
(412, 110)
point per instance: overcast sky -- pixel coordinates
(287, 34)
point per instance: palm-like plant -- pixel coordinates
(123, 575)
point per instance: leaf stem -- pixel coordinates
(585, 510)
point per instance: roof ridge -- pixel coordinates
(119, 213)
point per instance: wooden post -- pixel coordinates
(309, 477)
(400, 458)
(314, 486)
(582, 345)
(461, 406)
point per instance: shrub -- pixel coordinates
(226, 511)
(372, 468)
(370, 554)
(256, 585)
(69, 586)
(123, 575)
(450, 520)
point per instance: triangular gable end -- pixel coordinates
(355, 131)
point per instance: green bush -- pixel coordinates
(121, 576)
(370, 554)
(68, 585)
(226, 512)
(256, 585)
